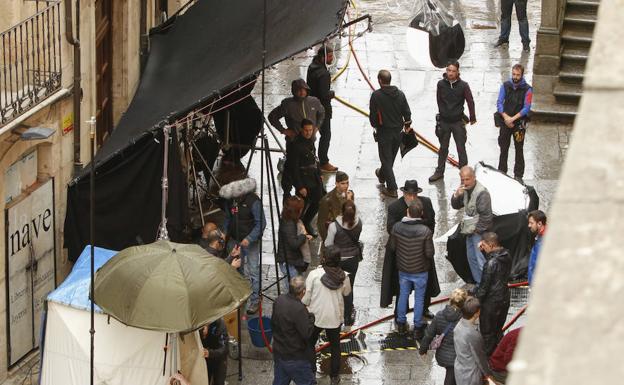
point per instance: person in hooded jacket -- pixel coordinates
(493, 292)
(452, 93)
(319, 81)
(443, 323)
(389, 114)
(326, 287)
(294, 110)
(344, 233)
(513, 106)
(304, 173)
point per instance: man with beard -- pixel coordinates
(294, 109)
(537, 225)
(304, 172)
(213, 241)
(330, 206)
(493, 292)
(389, 114)
(319, 81)
(452, 93)
(513, 106)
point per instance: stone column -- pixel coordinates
(574, 332)
(547, 53)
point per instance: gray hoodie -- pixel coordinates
(295, 109)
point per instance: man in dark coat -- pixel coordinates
(493, 292)
(452, 93)
(390, 278)
(319, 81)
(330, 206)
(304, 172)
(214, 338)
(389, 115)
(293, 328)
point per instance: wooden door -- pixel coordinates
(103, 69)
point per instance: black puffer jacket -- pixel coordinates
(496, 271)
(445, 354)
(289, 244)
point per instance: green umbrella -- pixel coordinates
(168, 287)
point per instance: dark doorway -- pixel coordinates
(104, 69)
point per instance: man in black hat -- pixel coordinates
(330, 206)
(396, 212)
(319, 80)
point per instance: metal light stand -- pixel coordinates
(162, 230)
(91, 123)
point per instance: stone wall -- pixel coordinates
(574, 332)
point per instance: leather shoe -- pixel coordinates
(401, 327)
(419, 333)
(526, 47)
(380, 178)
(436, 176)
(428, 314)
(328, 167)
(389, 193)
(501, 43)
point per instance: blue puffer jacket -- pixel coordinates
(445, 355)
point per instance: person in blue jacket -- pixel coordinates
(537, 225)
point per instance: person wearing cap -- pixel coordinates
(294, 110)
(330, 206)
(396, 212)
(319, 81)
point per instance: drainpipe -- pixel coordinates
(143, 41)
(75, 42)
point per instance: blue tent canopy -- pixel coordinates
(74, 291)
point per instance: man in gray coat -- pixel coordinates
(477, 204)
(471, 364)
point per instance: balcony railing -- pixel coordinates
(30, 62)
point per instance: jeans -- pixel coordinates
(504, 140)
(301, 372)
(250, 267)
(523, 22)
(288, 275)
(458, 130)
(323, 147)
(476, 260)
(333, 335)
(407, 282)
(388, 144)
(349, 265)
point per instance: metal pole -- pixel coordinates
(92, 122)
(240, 347)
(162, 231)
(268, 167)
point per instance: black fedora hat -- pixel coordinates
(411, 186)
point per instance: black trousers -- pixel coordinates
(491, 322)
(388, 146)
(350, 266)
(323, 147)
(333, 335)
(504, 141)
(458, 130)
(217, 371)
(449, 379)
(312, 200)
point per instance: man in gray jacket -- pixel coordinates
(294, 110)
(477, 204)
(412, 242)
(471, 364)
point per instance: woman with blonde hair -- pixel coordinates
(443, 324)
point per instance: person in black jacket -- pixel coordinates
(293, 329)
(291, 240)
(214, 338)
(213, 241)
(452, 93)
(443, 323)
(396, 212)
(319, 81)
(493, 292)
(305, 174)
(389, 114)
(412, 243)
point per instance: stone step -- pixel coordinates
(571, 77)
(568, 92)
(547, 109)
(574, 54)
(576, 36)
(577, 17)
(587, 6)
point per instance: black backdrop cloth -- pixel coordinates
(194, 58)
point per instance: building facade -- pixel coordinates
(61, 63)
